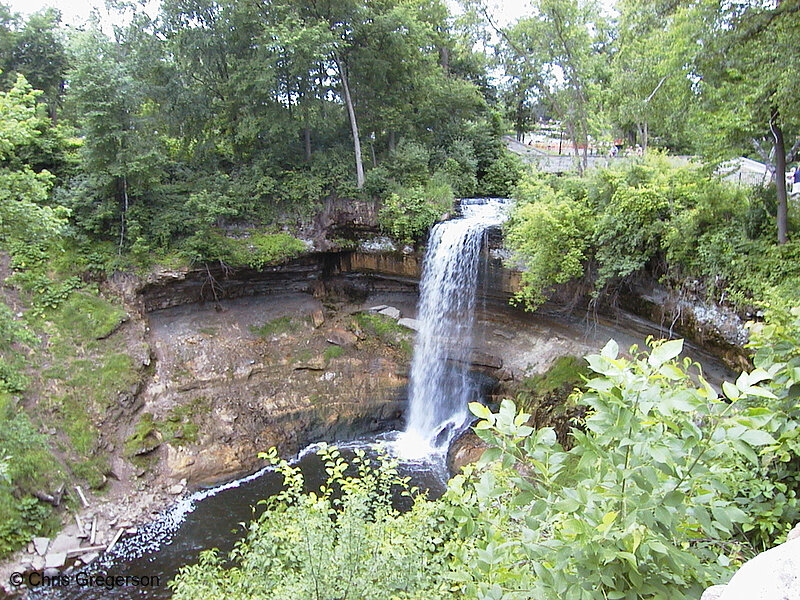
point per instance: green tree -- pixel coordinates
(36, 49)
(748, 85)
(120, 156)
(559, 47)
(26, 220)
(650, 86)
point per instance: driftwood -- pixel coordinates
(79, 523)
(93, 535)
(86, 550)
(83, 498)
(113, 543)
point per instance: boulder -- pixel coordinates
(40, 544)
(772, 575)
(341, 337)
(55, 560)
(390, 311)
(409, 323)
(64, 541)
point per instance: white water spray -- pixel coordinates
(439, 387)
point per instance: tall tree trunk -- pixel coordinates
(573, 134)
(391, 141)
(348, 100)
(780, 176)
(444, 59)
(124, 215)
(307, 142)
(645, 137)
(642, 134)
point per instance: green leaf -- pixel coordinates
(610, 350)
(664, 352)
(674, 498)
(730, 390)
(568, 505)
(479, 410)
(607, 521)
(756, 437)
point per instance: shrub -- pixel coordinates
(344, 541)
(408, 214)
(647, 504)
(408, 164)
(502, 176)
(255, 251)
(550, 236)
(651, 218)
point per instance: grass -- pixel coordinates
(385, 330)
(84, 317)
(555, 385)
(144, 438)
(332, 352)
(566, 371)
(273, 327)
(302, 356)
(31, 467)
(181, 426)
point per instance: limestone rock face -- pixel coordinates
(772, 575)
(230, 384)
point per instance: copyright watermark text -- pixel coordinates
(82, 580)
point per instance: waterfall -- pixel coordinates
(440, 388)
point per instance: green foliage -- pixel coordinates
(255, 251)
(646, 504)
(21, 520)
(667, 486)
(408, 164)
(409, 213)
(344, 541)
(549, 232)
(28, 467)
(460, 169)
(502, 176)
(276, 326)
(649, 217)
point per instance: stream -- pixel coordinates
(214, 518)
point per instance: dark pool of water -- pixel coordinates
(212, 519)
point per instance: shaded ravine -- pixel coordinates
(459, 328)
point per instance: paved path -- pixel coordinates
(742, 171)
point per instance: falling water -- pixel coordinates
(440, 387)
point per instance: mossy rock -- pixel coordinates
(144, 439)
